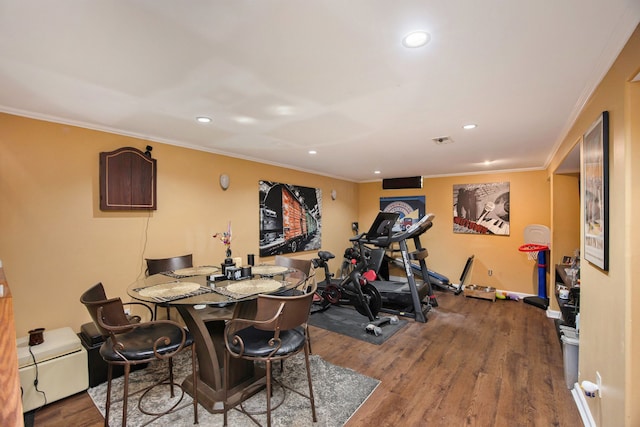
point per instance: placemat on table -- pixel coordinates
(172, 291)
(202, 270)
(268, 270)
(245, 288)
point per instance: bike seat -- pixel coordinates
(326, 255)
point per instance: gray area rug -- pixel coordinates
(347, 321)
(338, 392)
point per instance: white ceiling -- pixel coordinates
(281, 77)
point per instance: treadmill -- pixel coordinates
(436, 280)
(408, 298)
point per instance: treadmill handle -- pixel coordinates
(357, 237)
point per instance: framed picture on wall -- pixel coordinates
(290, 218)
(595, 173)
(410, 208)
(482, 208)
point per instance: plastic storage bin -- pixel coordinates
(570, 346)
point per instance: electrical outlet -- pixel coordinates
(599, 383)
(490, 272)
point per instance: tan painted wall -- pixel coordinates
(609, 300)
(565, 223)
(566, 216)
(632, 259)
(448, 251)
(55, 242)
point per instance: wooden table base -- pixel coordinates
(213, 400)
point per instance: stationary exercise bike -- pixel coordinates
(355, 286)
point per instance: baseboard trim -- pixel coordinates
(583, 407)
(554, 314)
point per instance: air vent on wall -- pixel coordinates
(441, 140)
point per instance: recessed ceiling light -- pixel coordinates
(313, 152)
(376, 172)
(245, 119)
(203, 119)
(416, 39)
(470, 126)
(284, 110)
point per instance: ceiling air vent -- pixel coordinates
(441, 140)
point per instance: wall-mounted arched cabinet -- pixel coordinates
(127, 180)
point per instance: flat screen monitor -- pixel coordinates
(383, 225)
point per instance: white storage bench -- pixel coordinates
(60, 365)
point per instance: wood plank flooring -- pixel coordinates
(474, 363)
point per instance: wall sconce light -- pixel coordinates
(224, 181)
(334, 194)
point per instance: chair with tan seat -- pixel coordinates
(128, 344)
(278, 331)
(163, 265)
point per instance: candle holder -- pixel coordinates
(36, 336)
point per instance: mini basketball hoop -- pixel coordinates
(532, 250)
(538, 238)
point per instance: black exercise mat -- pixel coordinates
(347, 321)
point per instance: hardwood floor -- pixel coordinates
(474, 363)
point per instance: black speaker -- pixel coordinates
(396, 183)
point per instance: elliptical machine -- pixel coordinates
(355, 286)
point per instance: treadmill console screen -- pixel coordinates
(420, 226)
(382, 225)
